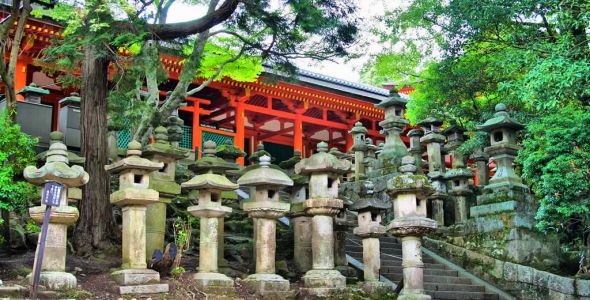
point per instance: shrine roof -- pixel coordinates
(359, 89)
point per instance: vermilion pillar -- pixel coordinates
(197, 133)
(20, 77)
(239, 138)
(298, 133)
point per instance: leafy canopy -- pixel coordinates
(16, 152)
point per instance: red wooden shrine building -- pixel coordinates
(285, 116)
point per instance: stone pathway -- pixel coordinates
(440, 282)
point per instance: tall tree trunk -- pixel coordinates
(96, 227)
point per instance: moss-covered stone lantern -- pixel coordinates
(458, 177)
(434, 140)
(56, 168)
(416, 149)
(323, 204)
(369, 216)
(503, 148)
(163, 181)
(133, 196)
(265, 209)
(410, 225)
(359, 147)
(209, 208)
(393, 125)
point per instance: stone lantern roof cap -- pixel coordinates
(228, 150)
(358, 128)
(163, 147)
(430, 121)
(265, 175)
(72, 98)
(322, 161)
(210, 181)
(415, 132)
(365, 204)
(210, 162)
(394, 99)
(291, 162)
(454, 128)
(501, 119)
(56, 167)
(34, 89)
(459, 173)
(334, 151)
(133, 161)
(57, 136)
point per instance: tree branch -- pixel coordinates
(182, 29)
(221, 66)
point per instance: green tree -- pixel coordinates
(556, 163)
(247, 33)
(16, 152)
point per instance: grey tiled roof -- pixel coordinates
(368, 92)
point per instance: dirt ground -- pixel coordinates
(94, 282)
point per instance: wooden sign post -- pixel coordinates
(52, 192)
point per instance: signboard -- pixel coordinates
(52, 193)
(51, 196)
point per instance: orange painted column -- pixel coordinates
(298, 134)
(240, 130)
(20, 77)
(197, 132)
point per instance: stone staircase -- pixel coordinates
(440, 282)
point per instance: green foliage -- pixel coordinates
(32, 227)
(177, 272)
(16, 152)
(556, 163)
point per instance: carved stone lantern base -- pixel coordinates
(213, 282)
(324, 283)
(55, 280)
(267, 284)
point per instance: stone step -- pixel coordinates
(431, 286)
(450, 295)
(427, 271)
(356, 248)
(396, 277)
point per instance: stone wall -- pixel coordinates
(521, 281)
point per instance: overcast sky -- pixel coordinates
(348, 70)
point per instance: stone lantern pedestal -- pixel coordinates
(370, 230)
(209, 209)
(133, 197)
(163, 182)
(436, 167)
(405, 189)
(505, 212)
(343, 223)
(324, 170)
(56, 168)
(301, 223)
(265, 209)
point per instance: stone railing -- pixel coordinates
(522, 281)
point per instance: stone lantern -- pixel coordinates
(209, 208)
(416, 149)
(393, 125)
(459, 175)
(502, 130)
(56, 168)
(163, 182)
(371, 156)
(436, 166)
(369, 228)
(505, 212)
(323, 204)
(359, 148)
(265, 210)
(258, 153)
(483, 171)
(410, 226)
(133, 196)
(174, 129)
(229, 152)
(301, 221)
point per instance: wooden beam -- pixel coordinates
(217, 113)
(271, 134)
